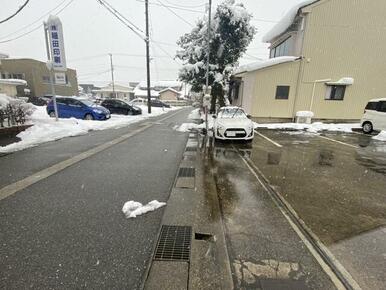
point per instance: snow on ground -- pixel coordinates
(312, 128)
(132, 209)
(381, 136)
(195, 115)
(46, 129)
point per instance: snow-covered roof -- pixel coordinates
(143, 93)
(286, 21)
(170, 89)
(15, 82)
(263, 64)
(378, 100)
(162, 84)
(117, 89)
(346, 81)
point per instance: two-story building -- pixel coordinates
(326, 56)
(37, 76)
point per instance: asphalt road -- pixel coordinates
(68, 230)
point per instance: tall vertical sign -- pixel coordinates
(56, 43)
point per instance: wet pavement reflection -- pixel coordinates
(338, 190)
(265, 253)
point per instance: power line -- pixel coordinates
(36, 28)
(187, 6)
(173, 7)
(123, 19)
(178, 16)
(32, 23)
(17, 12)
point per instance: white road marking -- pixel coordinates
(339, 142)
(339, 285)
(40, 175)
(268, 139)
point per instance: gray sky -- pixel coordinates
(91, 32)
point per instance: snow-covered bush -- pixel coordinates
(14, 111)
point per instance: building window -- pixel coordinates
(282, 92)
(282, 49)
(336, 92)
(46, 79)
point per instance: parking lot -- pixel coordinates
(335, 182)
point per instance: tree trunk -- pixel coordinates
(217, 94)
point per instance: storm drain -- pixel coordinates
(187, 172)
(174, 243)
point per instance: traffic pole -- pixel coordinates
(112, 74)
(147, 40)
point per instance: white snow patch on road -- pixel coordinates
(313, 128)
(195, 115)
(46, 129)
(381, 136)
(132, 208)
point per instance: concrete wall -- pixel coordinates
(33, 71)
(168, 96)
(9, 90)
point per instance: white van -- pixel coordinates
(374, 117)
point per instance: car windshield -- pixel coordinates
(231, 113)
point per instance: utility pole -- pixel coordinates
(112, 74)
(148, 57)
(208, 57)
(207, 65)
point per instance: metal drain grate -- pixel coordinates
(174, 243)
(187, 172)
(191, 149)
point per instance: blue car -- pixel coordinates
(77, 108)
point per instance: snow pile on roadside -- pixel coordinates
(313, 128)
(46, 129)
(132, 209)
(195, 115)
(186, 127)
(381, 136)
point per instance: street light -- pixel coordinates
(313, 90)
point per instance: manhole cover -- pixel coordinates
(174, 243)
(187, 172)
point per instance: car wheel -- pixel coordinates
(367, 127)
(52, 114)
(89, 117)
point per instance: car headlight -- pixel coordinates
(98, 111)
(220, 127)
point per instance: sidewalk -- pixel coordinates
(239, 238)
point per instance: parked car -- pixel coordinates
(374, 117)
(232, 123)
(38, 101)
(159, 104)
(122, 107)
(138, 102)
(69, 107)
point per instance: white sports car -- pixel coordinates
(232, 123)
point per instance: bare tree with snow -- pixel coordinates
(231, 33)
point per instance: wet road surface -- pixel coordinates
(338, 189)
(68, 231)
(264, 251)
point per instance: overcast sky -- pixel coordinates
(91, 32)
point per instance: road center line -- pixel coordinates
(336, 141)
(42, 174)
(268, 139)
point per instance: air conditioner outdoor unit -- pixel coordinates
(304, 117)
